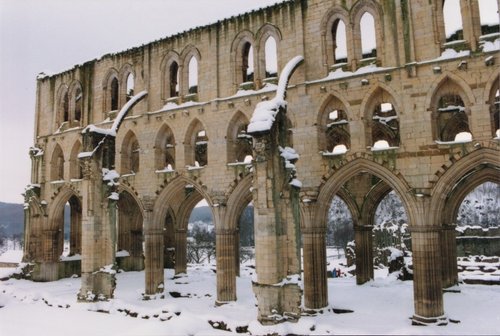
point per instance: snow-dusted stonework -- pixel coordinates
(418, 115)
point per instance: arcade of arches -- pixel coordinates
(397, 117)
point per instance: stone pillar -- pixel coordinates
(449, 255)
(99, 214)
(153, 233)
(364, 253)
(427, 278)
(237, 252)
(180, 251)
(226, 267)
(315, 279)
(314, 255)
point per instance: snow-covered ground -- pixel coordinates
(382, 306)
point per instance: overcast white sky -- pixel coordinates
(54, 35)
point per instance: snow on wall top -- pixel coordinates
(265, 112)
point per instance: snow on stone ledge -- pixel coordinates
(462, 137)
(491, 46)
(265, 112)
(381, 145)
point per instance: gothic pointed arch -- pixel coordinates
(111, 92)
(331, 27)
(333, 126)
(130, 235)
(130, 154)
(62, 106)
(239, 143)
(57, 164)
(268, 41)
(372, 10)
(127, 84)
(165, 148)
(242, 58)
(75, 170)
(75, 104)
(196, 144)
(189, 83)
(66, 196)
(493, 100)
(381, 110)
(170, 78)
(450, 108)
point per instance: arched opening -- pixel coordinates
(239, 143)
(165, 149)
(78, 98)
(391, 238)
(57, 165)
(488, 14)
(271, 58)
(75, 170)
(113, 92)
(130, 154)
(201, 235)
(494, 101)
(196, 145)
(339, 41)
(477, 241)
(452, 17)
(339, 239)
(334, 136)
(368, 36)
(130, 254)
(385, 126)
(130, 86)
(65, 107)
(246, 240)
(173, 79)
(169, 240)
(69, 222)
(247, 63)
(451, 118)
(193, 75)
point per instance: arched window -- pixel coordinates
(78, 104)
(239, 143)
(452, 17)
(488, 12)
(338, 139)
(114, 94)
(130, 86)
(247, 63)
(173, 79)
(75, 170)
(451, 118)
(65, 107)
(271, 57)
(385, 126)
(339, 41)
(57, 165)
(334, 136)
(368, 36)
(193, 75)
(130, 154)
(495, 113)
(165, 149)
(201, 144)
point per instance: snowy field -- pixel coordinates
(382, 306)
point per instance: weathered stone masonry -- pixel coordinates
(187, 141)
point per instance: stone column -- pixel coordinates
(314, 255)
(153, 233)
(47, 269)
(364, 253)
(427, 278)
(315, 279)
(98, 221)
(226, 267)
(180, 251)
(449, 255)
